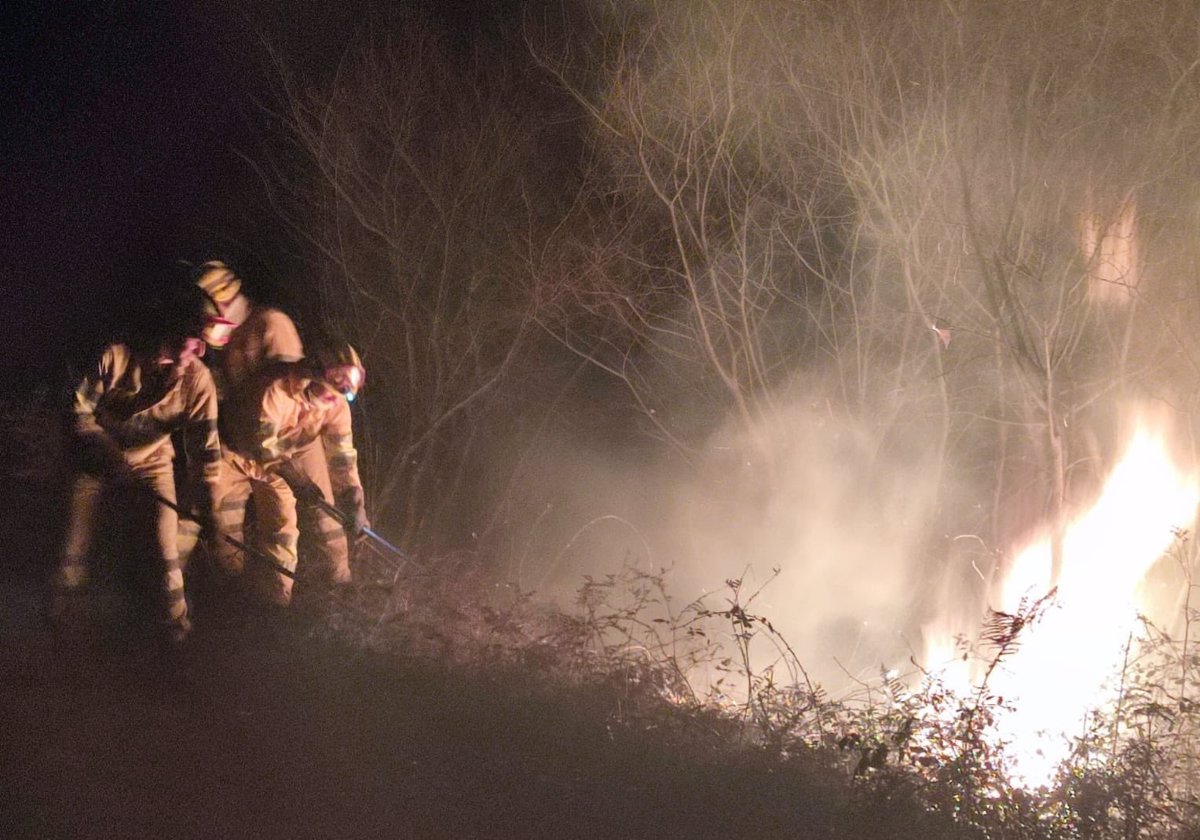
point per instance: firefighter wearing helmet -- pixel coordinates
(126, 407)
(290, 436)
(244, 334)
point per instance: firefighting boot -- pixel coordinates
(178, 630)
(68, 604)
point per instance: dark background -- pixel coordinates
(126, 131)
(119, 125)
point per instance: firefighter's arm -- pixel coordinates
(281, 341)
(342, 459)
(96, 451)
(268, 446)
(88, 392)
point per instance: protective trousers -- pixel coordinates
(276, 532)
(155, 536)
(276, 521)
(328, 536)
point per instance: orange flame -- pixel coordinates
(1063, 666)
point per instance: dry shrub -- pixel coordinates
(686, 673)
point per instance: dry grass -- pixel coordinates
(635, 656)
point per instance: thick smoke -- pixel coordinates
(847, 532)
(957, 221)
(852, 290)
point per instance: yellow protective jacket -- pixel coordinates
(277, 420)
(266, 335)
(116, 403)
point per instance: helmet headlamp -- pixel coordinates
(346, 380)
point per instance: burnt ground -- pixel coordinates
(261, 728)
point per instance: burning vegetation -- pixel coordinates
(871, 321)
(866, 293)
(863, 292)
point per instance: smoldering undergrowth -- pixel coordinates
(713, 673)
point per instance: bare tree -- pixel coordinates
(903, 194)
(695, 286)
(899, 214)
(976, 152)
(409, 176)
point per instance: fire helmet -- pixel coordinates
(219, 285)
(339, 365)
(218, 281)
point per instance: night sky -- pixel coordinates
(123, 130)
(116, 137)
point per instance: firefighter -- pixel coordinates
(245, 337)
(290, 435)
(245, 334)
(125, 410)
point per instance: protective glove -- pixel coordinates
(207, 520)
(353, 502)
(305, 489)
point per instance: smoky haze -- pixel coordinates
(842, 530)
(859, 291)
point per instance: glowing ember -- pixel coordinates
(1062, 667)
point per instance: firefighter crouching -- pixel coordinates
(290, 436)
(126, 407)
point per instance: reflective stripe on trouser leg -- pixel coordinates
(72, 574)
(281, 548)
(275, 507)
(176, 603)
(166, 520)
(85, 499)
(332, 550)
(232, 490)
(162, 480)
(185, 541)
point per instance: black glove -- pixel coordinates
(353, 503)
(307, 492)
(207, 521)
